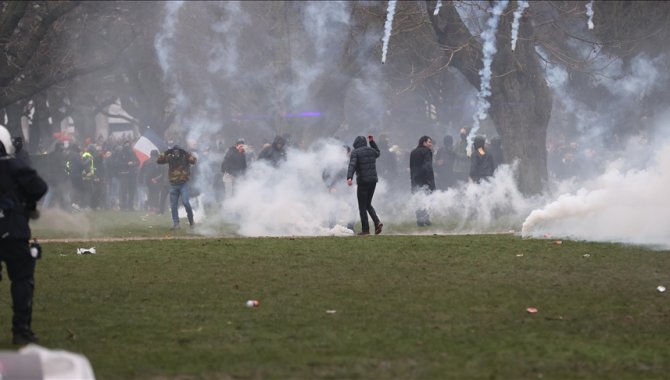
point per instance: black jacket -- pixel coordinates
(234, 162)
(481, 166)
(274, 153)
(363, 161)
(421, 168)
(20, 189)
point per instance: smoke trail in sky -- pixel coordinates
(388, 25)
(163, 47)
(521, 6)
(437, 7)
(589, 12)
(224, 54)
(488, 51)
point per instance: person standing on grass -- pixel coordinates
(179, 173)
(20, 189)
(481, 162)
(363, 162)
(422, 177)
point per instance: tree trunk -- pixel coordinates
(521, 105)
(520, 101)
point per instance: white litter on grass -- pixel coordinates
(661, 288)
(331, 311)
(86, 251)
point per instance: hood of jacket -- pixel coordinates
(277, 141)
(360, 141)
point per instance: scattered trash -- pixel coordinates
(331, 311)
(519, 255)
(558, 242)
(86, 251)
(660, 288)
(586, 255)
(253, 303)
(531, 310)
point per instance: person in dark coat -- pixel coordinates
(422, 177)
(19, 152)
(127, 165)
(57, 179)
(444, 164)
(234, 165)
(274, 153)
(362, 162)
(74, 168)
(481, 163)
(20, 190)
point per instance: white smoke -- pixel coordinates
(644, 75)
(437, 7)
(589, 13)
(292, 199)
(521, 6)
(164, 51)
(388, 25)
(488, 51)
(619, 206)
(224, 54)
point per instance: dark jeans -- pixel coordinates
(364, 193)
(422, 216)
(21, 272)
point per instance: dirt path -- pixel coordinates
(115, 239)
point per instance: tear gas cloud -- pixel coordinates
(619, 202)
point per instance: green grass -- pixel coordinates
(407, 307)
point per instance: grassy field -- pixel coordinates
(380, 307)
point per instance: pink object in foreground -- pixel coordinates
(531, 310)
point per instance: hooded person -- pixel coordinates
(481, 163)
(20, 190)
(362, 162)
(234, 166)
(275, 152)
(19, 152)
(444, 164)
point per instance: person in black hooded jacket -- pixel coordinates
(20, 189)
(422, 177)
(481, 162)
(363, 162)
(274, 153)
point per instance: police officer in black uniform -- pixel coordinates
(20, 189)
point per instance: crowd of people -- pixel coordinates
(108, 175)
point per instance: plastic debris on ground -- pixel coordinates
(531, 310)
(86, 251)
(660, 288)
(331, 311)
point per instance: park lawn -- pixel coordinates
(379, 307)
